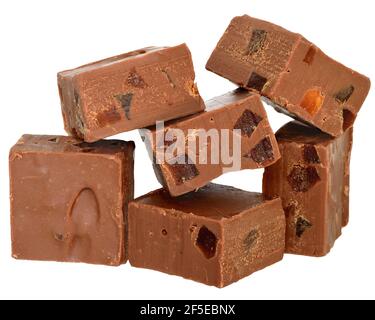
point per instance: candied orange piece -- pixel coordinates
(312, 101)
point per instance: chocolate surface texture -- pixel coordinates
(127, 92)
(312, 179)
(216, 236)
(238, 110)
(69, 199)
(291, 72)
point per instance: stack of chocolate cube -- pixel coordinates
(72, 198)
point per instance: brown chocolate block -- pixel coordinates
(69, 199)
(295, 75)
(129, 91)
(239, 110)
(312, 179)
(216, 236)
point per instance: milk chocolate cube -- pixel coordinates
(238, 113)
(69, 199)
(127, 92)
(294, 74)
(216, 236)
(312, 179)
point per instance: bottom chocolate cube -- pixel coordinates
(69, 199)
(216, 235)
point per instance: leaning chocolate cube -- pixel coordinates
(69, 199)
(216, 236)
(312, 179)
(127, 92)
(232, 134)
(294, 74)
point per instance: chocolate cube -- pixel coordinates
(206, 148)
(69, 199)
(312, 179)
(127, 92)
(216, 236)
(294, 74)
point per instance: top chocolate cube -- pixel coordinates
(127, 92)
(295, 75)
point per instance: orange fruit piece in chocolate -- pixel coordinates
(312, 101)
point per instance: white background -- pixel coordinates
(39, 38)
